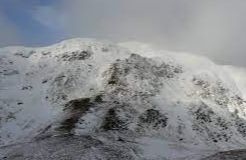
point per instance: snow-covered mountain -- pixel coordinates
(88, 99)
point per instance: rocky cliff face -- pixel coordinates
(85, 99)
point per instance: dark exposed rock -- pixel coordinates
(44, 81)
(78, 104)
(46, 53)
(203, 114)
(75, 109)
(25, 54)
(141, 68)
(240, 125)
(216, 91)
(112, 121)
(116, 72)
(200, 82)
(20, 103)
(154, 118)
(239, 100)
(26, 88)
(205, 118)
(166, 70)
(9, 72)
(222, 123)
(219, 136)
(99, 98)
(76, 55)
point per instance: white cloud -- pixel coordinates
(49, 16)
(216, 28)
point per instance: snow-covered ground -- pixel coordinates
(239, 76)
(150, 103)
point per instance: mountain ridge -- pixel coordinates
(127, 95)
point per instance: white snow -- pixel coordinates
(238, 74)
(35, 83)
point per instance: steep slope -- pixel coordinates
(125, 101)
(239, 76)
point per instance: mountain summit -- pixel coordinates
(86, 99)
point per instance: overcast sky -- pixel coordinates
(215, 28)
